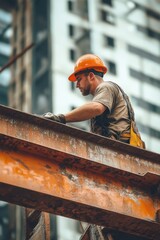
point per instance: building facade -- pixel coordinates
(5, 52)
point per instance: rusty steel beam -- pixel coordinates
(37, 225)
(14, 58)
(62, 170)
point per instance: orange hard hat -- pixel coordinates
(88, 61)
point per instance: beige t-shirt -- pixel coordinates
(115, 119)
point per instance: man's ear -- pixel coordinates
(91, 76)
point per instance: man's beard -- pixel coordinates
(86, 91)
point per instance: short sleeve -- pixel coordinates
(106, 95)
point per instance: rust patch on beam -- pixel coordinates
(47, 185)
(149, 181)
(64, 207)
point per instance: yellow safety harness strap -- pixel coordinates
(125, 135)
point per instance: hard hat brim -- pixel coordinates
(72, 77)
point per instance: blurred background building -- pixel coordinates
(5, 52)
(124, 33)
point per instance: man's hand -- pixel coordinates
(57, 118)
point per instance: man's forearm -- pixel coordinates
(85, 112)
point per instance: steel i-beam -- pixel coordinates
(59, 169)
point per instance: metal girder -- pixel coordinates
(37, 225)
(59, 169)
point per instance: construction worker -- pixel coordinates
(110, 111)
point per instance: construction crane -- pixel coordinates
(49, 167)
